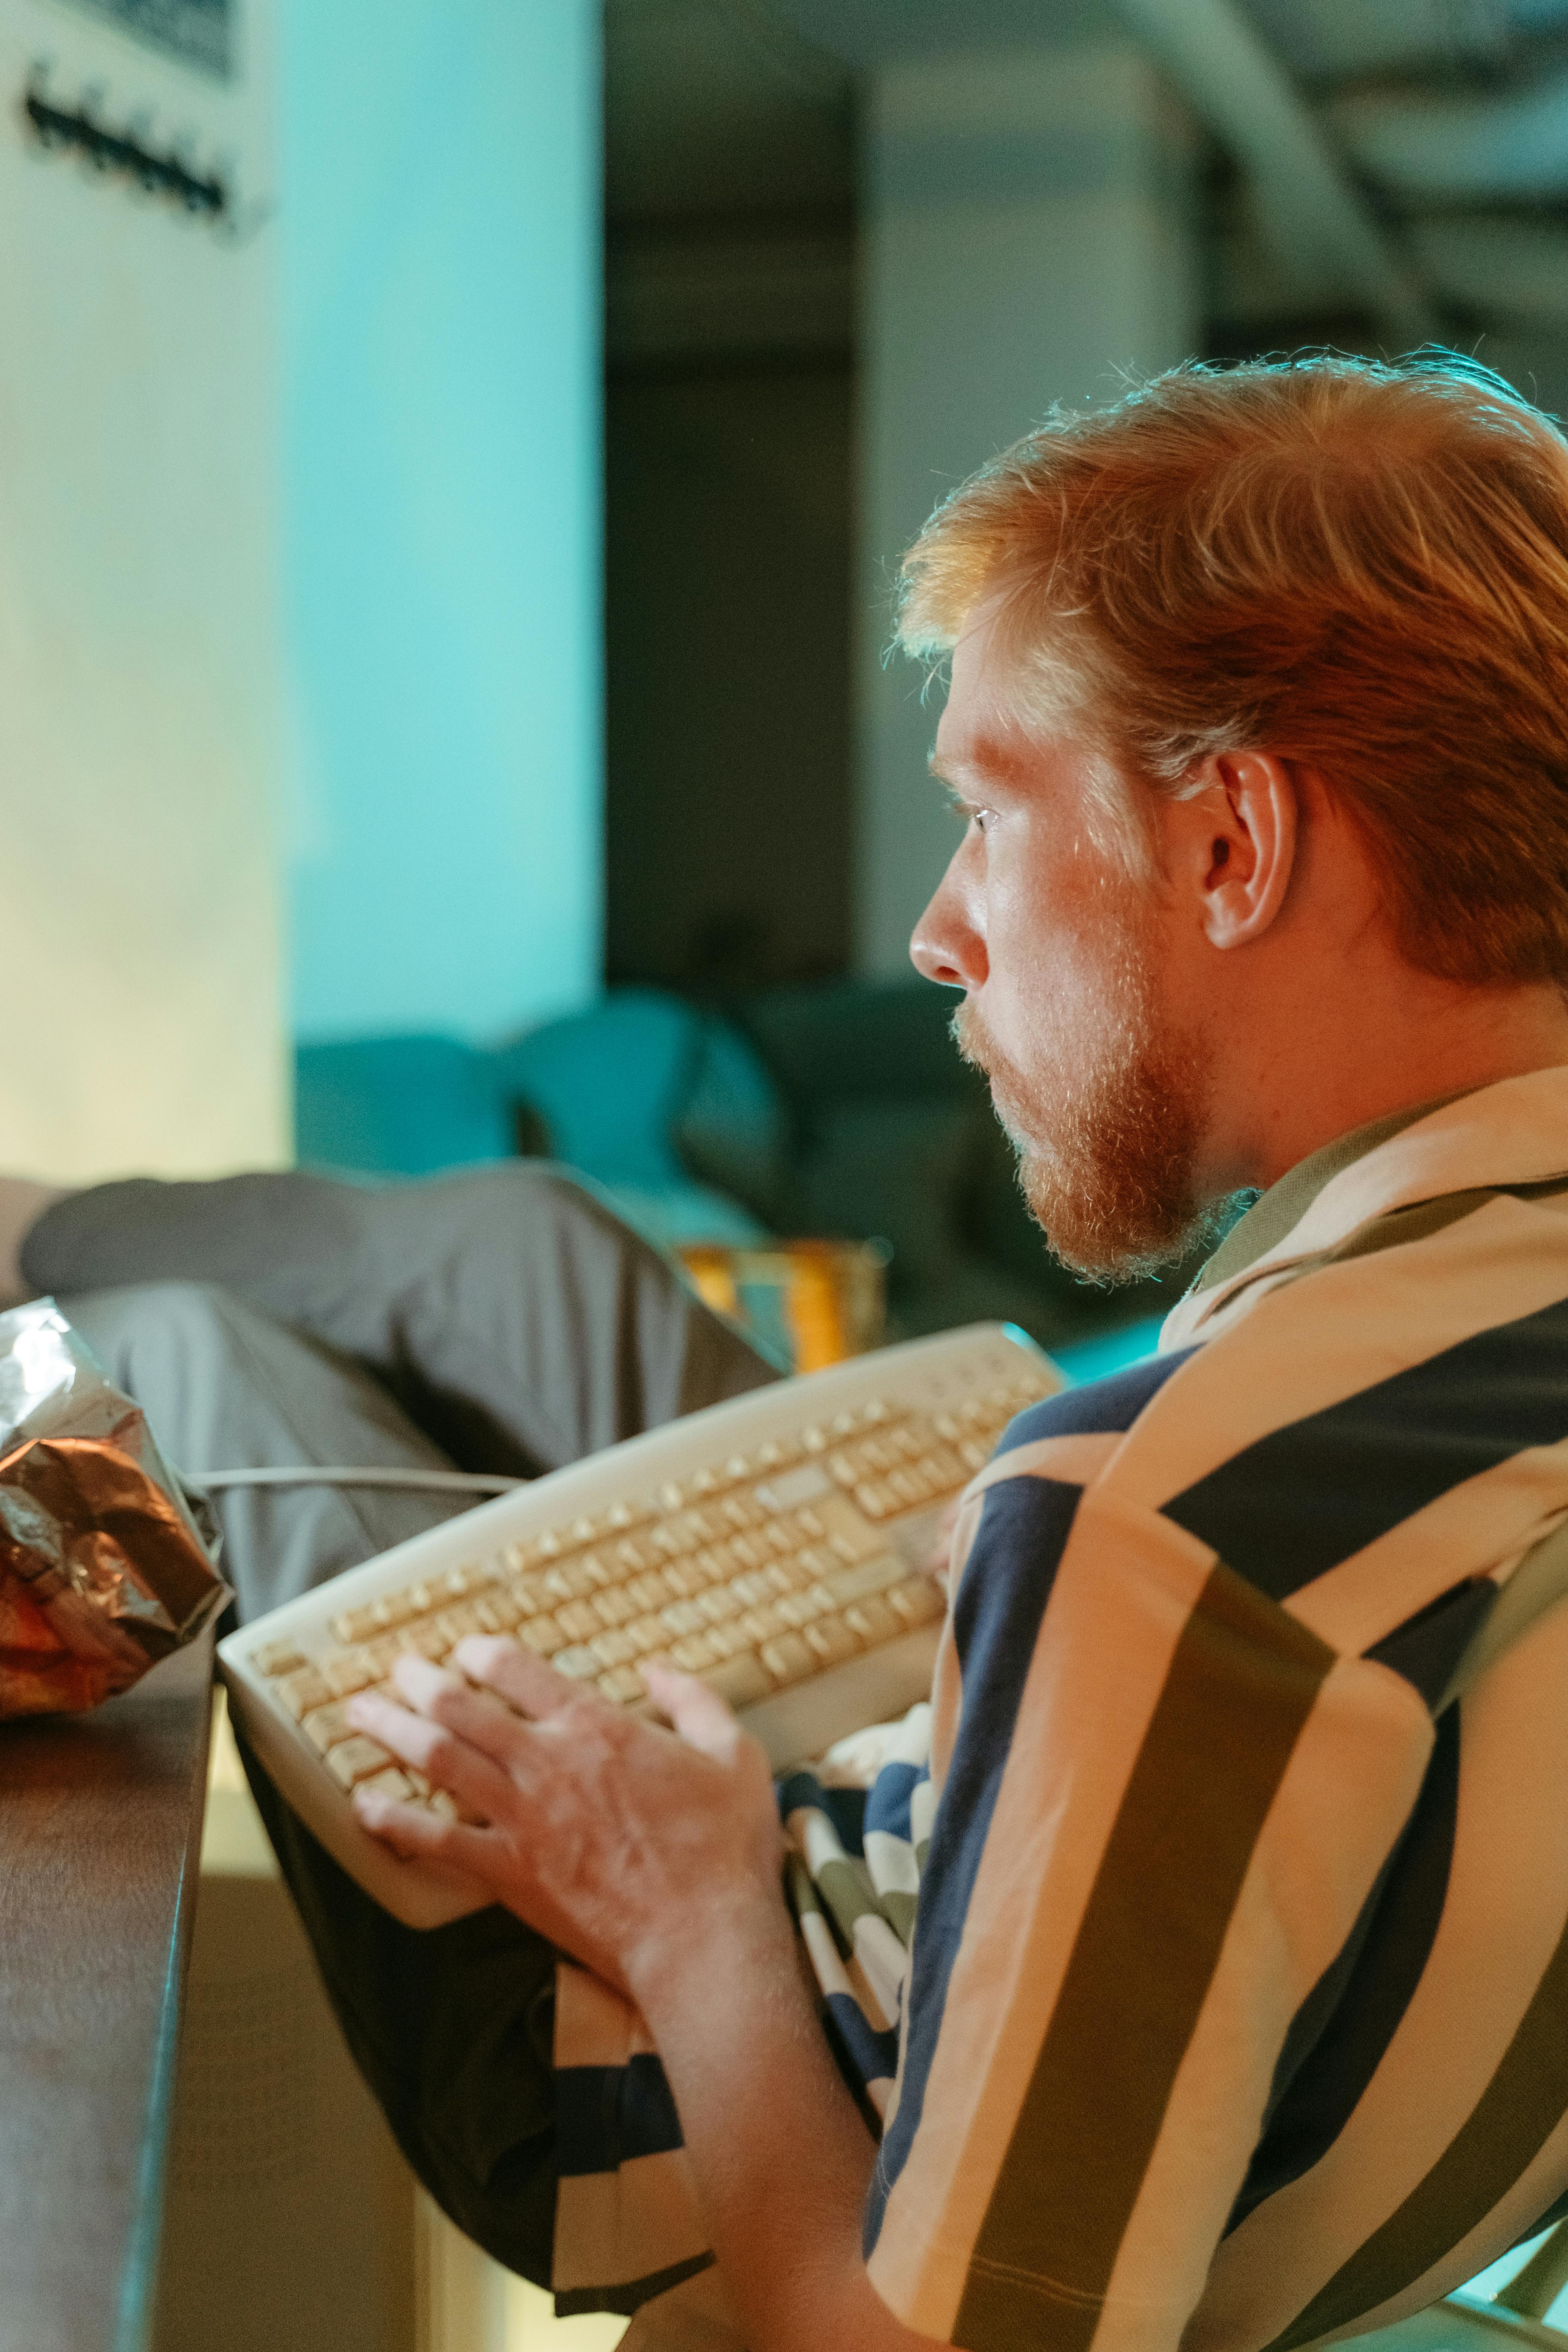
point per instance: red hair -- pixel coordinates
(1360, 567)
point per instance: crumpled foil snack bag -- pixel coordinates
(104, 1566)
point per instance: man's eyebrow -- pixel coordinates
(964, 779)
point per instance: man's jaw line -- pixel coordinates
(1120, 1200)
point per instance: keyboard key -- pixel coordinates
(683, 1617)
(696, 1653)
(498, 1612)
(778, 1452)
(459, 1583)
(741, 1681)
(750, 1591)
(570, 1580)
(760, 1625)
(422, 1641)
(647, 1592)
(831, 1640)
(391, 1784)
(325, 1727)
(872, 1620)
(356, 1759)
(788, 1659)
(278, 1658)
(615, 1607)
(798, 1609)
(350, 1670)
(613, 1649)
(636, 1556)
(542, 1635)
(846, 1584)
(646, 1634)
(455, 1626)
(731, 1640)
(917, 1601)
(578, 1662)
(579, 1620)
(844, 1529)
(624, 1684)
(354, 1625)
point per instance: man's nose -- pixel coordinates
(945, 945)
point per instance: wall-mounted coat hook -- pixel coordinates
(79, 129)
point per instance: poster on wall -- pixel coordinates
(197, 32)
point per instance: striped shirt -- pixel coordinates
(1235, 2010)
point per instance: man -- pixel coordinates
(1237, 2009)
(1238, 2005)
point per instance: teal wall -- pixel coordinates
(439, 234)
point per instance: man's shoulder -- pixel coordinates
(1105, 1407)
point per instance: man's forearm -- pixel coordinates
(653, 1860)
(780, 2155)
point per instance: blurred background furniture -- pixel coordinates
(839, 1111)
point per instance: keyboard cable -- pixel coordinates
(439, 1481)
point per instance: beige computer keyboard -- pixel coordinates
(777, 1544)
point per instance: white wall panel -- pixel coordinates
(140, 957)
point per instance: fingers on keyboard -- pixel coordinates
(754, 1586)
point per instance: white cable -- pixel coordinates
(441, 1481)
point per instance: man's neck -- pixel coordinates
(1295, 1095)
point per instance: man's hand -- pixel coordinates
(619, 1841)
(653, 1856)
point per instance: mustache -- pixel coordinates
(980, 1050)
(978, 1047)
(968, 1033)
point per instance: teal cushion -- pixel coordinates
(398, 1106)
(611, 1086)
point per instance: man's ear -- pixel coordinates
(1238, 845)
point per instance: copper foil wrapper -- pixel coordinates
(105, 1564)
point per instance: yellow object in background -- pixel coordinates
(815, 1302)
